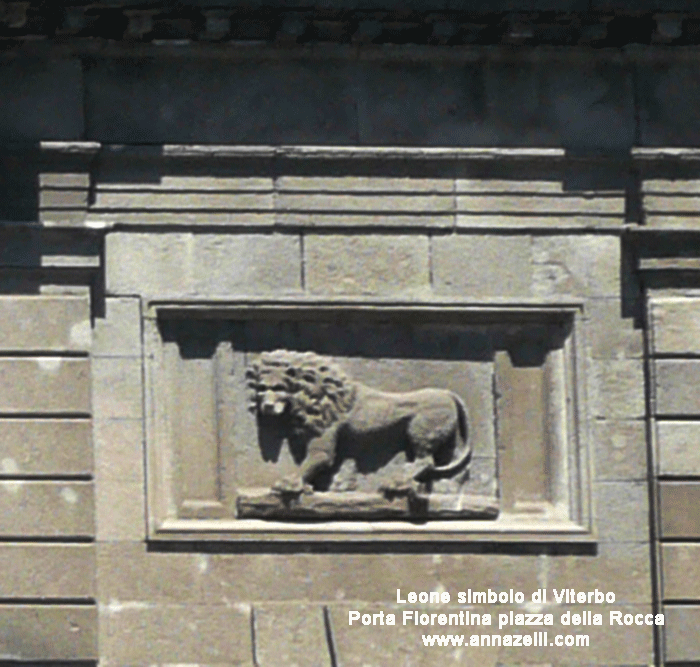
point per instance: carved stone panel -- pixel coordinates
(310, 418)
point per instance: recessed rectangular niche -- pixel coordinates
(363, 422)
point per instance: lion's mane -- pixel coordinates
(319, 392)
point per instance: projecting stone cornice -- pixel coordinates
(597, 23)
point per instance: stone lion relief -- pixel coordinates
(340, 420)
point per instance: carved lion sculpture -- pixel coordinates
(333, 413)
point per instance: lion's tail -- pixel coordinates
(463, 458)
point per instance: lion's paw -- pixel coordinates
(291, 486)
(400, 487)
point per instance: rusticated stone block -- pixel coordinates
(339, 264)
(128, 573)
(269, 577)
(612, 336)
(118, 333)
(677, 445)
(39, 633)
(576, 265)
(682, 642)
(46, 447)
(47, 571)
(620, 450)
(677, 387)
(120, 510)
(681, 571)
(676, 324)
(290, 634)
(119, 445)
(44, 385)
(617, 389)
(117, 388)
(175, 634)
(46, 509)
(621, 511)
(622, 568)
(482, 266)
(680, 517)
(358, 645)
(178, 265)
(44, 324)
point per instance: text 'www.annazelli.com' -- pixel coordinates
(534, 639)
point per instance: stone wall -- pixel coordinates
(498, 188)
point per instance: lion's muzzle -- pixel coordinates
(271, 403)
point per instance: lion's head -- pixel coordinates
(312, 390)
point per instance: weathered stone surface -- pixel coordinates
(119, 448)
(621, 511)
(610, 335)
(144, 200)
(482, 266)
(681, 571)
(676, 324)
(669, 100)
(366, 220)
(117, 389)
(682, 641)
(361, 645)
(234, 578)
(521, 406)
(620, 450)
(441, 104)
(339, 264)
(623, 568)
(45, 633)
(182, 219)
(375, 577)
(194, 634)
(472, 203)
(47, 571)
(576, 266)
(45, 447)
(617, 389)
(379, 203)
(120, 510)
(46, 509)
(119, 174)
(160, 101)
(677, 446)
(172, 265)
(44, 385)
(44, 324)
(128, 573)
(292, 635)
(118, 333)
(407, 185)
(75, 198)
(678, 509)
(366, 506)
(677, 387)
(43, 99)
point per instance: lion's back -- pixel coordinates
(375, 410)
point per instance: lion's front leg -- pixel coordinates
(320, 454)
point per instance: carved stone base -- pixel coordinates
(265, 504)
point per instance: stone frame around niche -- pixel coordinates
(552, 505)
